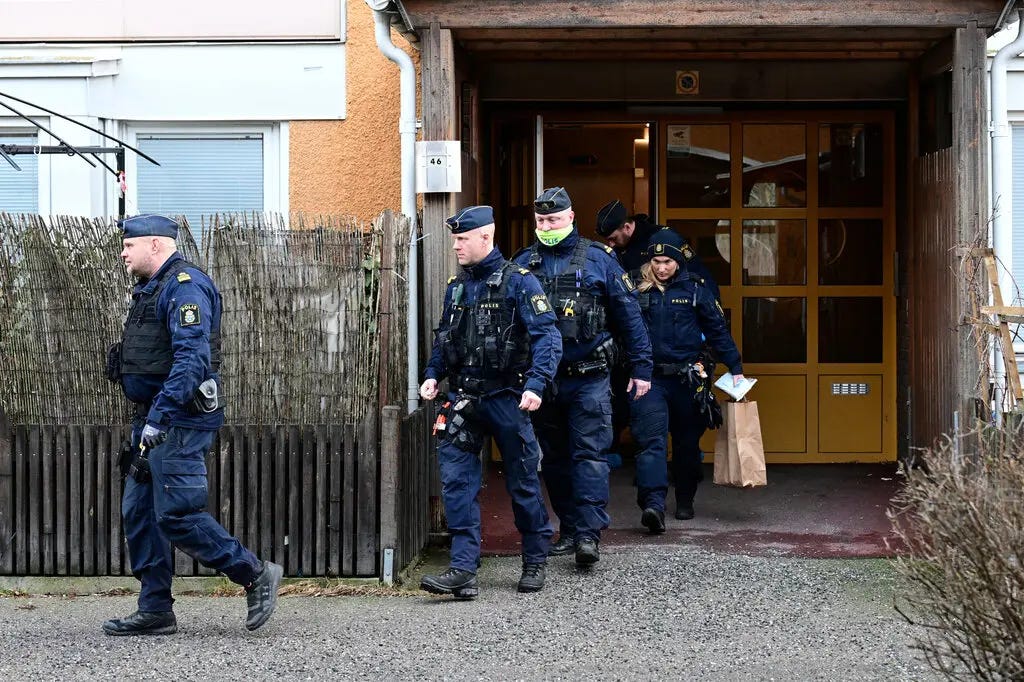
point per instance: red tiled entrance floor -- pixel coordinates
(812, 511)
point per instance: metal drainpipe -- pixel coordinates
(1002, 186)
(407, 132)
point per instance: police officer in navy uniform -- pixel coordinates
(591, 295)
(498, 346)
(629, 236)
(167, 363)
(680, 311)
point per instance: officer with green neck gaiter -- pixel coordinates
(591, 295)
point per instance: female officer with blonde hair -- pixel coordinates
(680, 313)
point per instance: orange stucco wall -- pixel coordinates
(353, 166)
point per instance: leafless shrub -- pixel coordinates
(961, 521)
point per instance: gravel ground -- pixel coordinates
(653, 613)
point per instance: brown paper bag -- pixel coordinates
(739, 452)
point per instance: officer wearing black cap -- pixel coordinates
(498, 346)
(680, 312)
(629, 236)
(592, 295)
(167, 364)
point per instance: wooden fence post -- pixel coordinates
(385, 309)
(390, 444)
(6, 496)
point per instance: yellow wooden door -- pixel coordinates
(793, 213)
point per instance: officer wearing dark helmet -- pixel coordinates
(680, 312)
(498, 346)
(591, 295)
(167, 364)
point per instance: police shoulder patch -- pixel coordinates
(540, 304)
(607, 249)
(688, 253)
(524, 271)
(188, 315)
(628, 282)
(184, 277)
(452, 278)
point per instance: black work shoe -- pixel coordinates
(142, 623)
(654, 519)
(587, 552)
(532, 579)
(566, 545)
(261, 596)
(454, 581)
(684, 513)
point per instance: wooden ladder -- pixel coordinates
(1004, 315)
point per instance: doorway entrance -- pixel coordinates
(794, 215)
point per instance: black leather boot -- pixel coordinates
(587, 553)
(654, 520)
(532, 579)
(566, 545)
(456, 582)
(261, 596)
(142, 623)
(684, 512)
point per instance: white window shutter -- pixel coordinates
(200, 174)
(19, 190)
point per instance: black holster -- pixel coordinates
(113, 365)
(125, 455)
(464, 429)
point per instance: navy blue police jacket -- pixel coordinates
(522, 291)
(168, 395)
(604, 277)
(679, 315)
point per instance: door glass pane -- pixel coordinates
(850, 329)
(774, 165)
(850, 164)
(711, 241)
(774, 252)
(849, 251)
(775, 329)
(697, 166)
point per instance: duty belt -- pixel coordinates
(672, 370)
(478, 386)
(584, 368)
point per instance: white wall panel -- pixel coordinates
(131, 20)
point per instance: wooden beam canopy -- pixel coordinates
(456, 14)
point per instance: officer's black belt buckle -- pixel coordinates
(586, 368)
(474, 386)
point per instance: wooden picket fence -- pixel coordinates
(305, 497)
(408, 457)
(318, 315)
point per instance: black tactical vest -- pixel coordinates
(146, 344)
(483, 335)
(581, 314)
